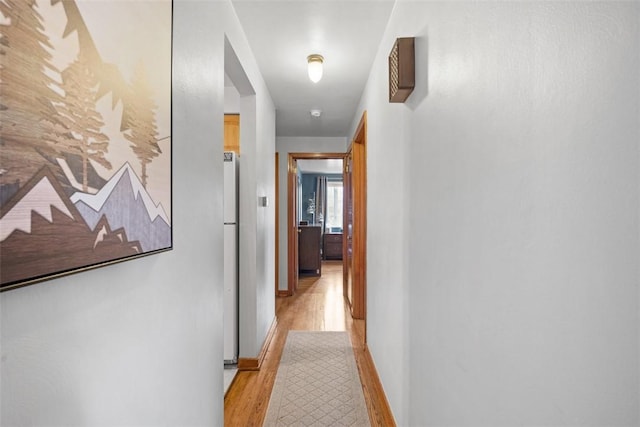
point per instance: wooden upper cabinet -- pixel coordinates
(232, 133)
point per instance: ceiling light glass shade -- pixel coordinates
(315, 67)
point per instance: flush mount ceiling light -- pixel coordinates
(315, 67)
(315, 113)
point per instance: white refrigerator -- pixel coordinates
(230, 207)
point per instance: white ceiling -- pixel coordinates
(283, 33)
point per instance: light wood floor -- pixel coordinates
(317, 306)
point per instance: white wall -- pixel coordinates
(265, 223)
(231, 100)
(284, 146)
(257, 223)
(519, 183)
(388, 234)
(140, 343)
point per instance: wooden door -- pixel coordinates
(355, 281)
(292, 223)
(347, 241)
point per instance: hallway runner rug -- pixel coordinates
(317, 383)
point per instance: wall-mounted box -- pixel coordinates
(402, 69)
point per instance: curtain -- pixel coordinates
(321, 200)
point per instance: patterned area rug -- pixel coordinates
(317, 383)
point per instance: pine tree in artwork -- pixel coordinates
(25, 75)
(143, 132)
(79, 126)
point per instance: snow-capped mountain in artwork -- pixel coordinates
(126, 204)
(42, 231)
(40, 198)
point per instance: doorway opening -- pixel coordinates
(239, 131)
(314, 220)
(354, 219)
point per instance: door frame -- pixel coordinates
(358, 151)
(277, 224)
(292, 226)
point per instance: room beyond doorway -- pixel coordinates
(307, 216)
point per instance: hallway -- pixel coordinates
(502, 208)
(318, 305)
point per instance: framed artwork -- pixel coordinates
(85, 135)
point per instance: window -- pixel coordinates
(334, 206)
